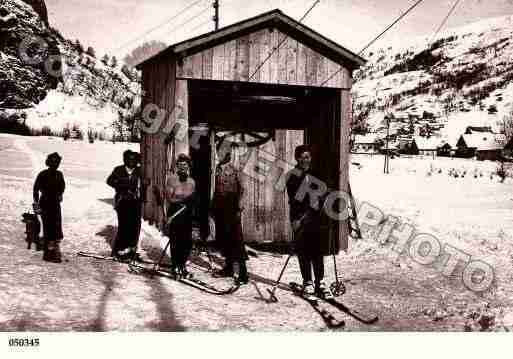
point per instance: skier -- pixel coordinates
(227, 208)
(127, 182)
(305, 217)
(50, 182)
(180, 191)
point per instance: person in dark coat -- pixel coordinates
(305, 218)
(127, 182)
(50, 183)
(227, 209)
(180, 192)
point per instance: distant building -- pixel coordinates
(425, 146)
(368, 143)
(405, 143)
(508, 149)
(445, 150)
(481, 145)
(472, 129)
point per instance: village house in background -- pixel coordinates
(480, 143)
(508, 150)
(368, 143)
(426, 146)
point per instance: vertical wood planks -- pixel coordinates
(197, 65)
(302, 52)
(274, 37)
(242, 61)
(254, 56)
(282, 57)
(265, 50)
(187, 67)
(291, 63)
(208, 58)
(181, 117)
(218, 62)
(291, 49)
(230, 60)
(312, 67)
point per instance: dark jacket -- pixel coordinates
(312, 236)
(129, 189)
(299, 208)
(51, 185)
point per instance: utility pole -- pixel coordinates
(385, 165)
(216, 14)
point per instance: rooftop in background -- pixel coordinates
(427, 143)
(484, 141)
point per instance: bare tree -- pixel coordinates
(143, 52)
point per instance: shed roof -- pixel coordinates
(484, 141)
(367, 138)
(272, 19)
(427, 143)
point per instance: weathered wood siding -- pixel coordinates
(158, 84)
(292, 62)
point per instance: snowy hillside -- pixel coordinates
(92, 94)
(461, 78)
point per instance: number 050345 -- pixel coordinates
(23, 342)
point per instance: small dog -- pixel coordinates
(32, 230)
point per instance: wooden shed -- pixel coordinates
(270, 79)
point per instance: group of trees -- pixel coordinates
(112, 62)
(144, 51)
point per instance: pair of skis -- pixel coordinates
(155, 269)
(324, 307)
(189, 280)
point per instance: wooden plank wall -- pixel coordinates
(345, 121)
(266, 205)
(293, 63)
(158, 82)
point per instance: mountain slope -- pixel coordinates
(84, 93)
(462, 78)
(22, 84)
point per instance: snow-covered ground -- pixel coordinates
(59, 110)
(474, 215)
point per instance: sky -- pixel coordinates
(114, 26)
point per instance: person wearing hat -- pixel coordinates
(180, 192)
(127, 182)
(305, 218)
(50, 184)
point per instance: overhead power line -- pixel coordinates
(165, 22)
(390, 26)
(200, 25)
(444, 21)
(177, 27)
(281, 42)
(378, 37)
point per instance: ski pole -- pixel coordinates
(156, 265)
(272, 297)
(338, 288)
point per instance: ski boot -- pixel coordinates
(243, 277)
(227, 271)
(52, 252)
(184, 273)
(308, 291)
(323, 291)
